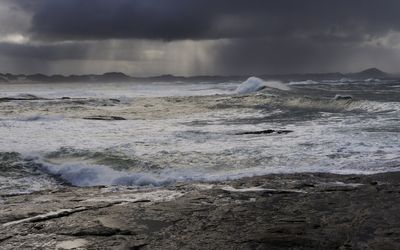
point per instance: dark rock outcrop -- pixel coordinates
(121, 77)
(297, 211)
(369, 73)
(343, 97)
(22, 97)
(105, 118)
(265, 132)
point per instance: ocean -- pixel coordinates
(157, 134)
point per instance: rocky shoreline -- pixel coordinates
(291, 211)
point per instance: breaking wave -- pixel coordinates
(254, 84)
(336, 104)
(81, 174)
(85, 175)
(34, 174)
(308, 82)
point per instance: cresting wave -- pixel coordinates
(84, 175)
(254, 84)
(290, 100)
(332, 104)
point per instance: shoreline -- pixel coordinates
(277, 211)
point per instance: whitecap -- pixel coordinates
(254, 84)
(83, 175)
(308, 82)
(372, 80)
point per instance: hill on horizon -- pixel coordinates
(122, 77)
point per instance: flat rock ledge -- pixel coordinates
(296, 211)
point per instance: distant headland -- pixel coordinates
(121, 77)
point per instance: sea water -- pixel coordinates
(51, 134)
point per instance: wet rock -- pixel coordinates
(296, 211)
(265, 132)
(115, 100)
(105, 118)
(21, 97)
(343, 97)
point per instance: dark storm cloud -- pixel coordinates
(44, 52)
(262, 56)
(202, 36)
(211, 19)
(71, 51)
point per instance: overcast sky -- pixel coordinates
(192, 37)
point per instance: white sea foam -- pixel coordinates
(115, 90)
(372, 80)
(347, 80)
(83, 174)
(23, 185)
(308, 82)
(338, 136)
(343, 81)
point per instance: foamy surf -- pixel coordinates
(213, 134)
(83, 174)
(307, 82)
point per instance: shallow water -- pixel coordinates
(183, 132)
